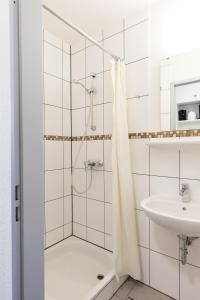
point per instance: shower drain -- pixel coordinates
(100, 276)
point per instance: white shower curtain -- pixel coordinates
(125, 241)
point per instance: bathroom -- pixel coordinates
(77, 228)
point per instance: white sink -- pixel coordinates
(182, 218)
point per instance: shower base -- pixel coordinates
(72, 268)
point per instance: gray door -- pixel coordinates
(27, 150)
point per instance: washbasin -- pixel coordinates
(182, 218)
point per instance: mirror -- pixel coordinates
(180, 91)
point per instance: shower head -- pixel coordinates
(89, 91)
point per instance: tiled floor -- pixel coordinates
(132, 290)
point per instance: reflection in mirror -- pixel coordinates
(180, 91)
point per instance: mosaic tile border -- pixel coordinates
(139, 135)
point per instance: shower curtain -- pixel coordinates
(125, 242)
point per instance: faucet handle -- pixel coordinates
(184, 187)
(185, 192)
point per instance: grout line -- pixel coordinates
(78, 237)
(71, 148)
(104, 194)
(63, 141)
(114, 34)
(51, 44)
(44, 129)
(56, 106)
(55, 76)
(149, 171)
(86, 177)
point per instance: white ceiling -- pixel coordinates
(91, 15)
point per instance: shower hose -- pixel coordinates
(79, 150)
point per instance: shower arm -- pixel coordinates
(89, 91)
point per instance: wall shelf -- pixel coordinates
(174, 141)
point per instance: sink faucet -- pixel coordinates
(185, 192)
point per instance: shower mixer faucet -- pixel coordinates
(93, 163)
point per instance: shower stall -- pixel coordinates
(78, 202)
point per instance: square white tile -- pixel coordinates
(66, 122)
(53, 155)
(164, 274)
(79, 210)
(67, 154)
(95, 214)
(189, 161)
(164, 186)
(139, 156)
(54, 214)
(94, 59)
(193, 253)
(79, 181)
(66, 66)
(53, 120)
(108, 218)
(52, 60)
(164, 161)
(136, 42)
(137, 109)
(137, 78)
(108, 242)
(144, 255)
(52, 90)
(79, 154)
(141, 188)
(164, 241)
(114, 44)
(79, 230)
(108, 155)
(95, 237)
(78, 65)
(67, 182)
(98, 120)
(66, 95)
(96, 190)
(143, 228)
(108, 87)
(78, 95)
(78, 122)
(67, 209)
(108, 119)
(54, 237)
(165, 101)
(67, 230)
(53, 184)
(189, 283)
(108, 186)
(165, 122)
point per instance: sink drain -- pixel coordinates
(100, 276)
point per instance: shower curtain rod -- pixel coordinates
(77, 29)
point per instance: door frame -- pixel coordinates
(30, 76)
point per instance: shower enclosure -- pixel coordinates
(78, 216)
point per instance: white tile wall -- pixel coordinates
(58, 208)
(155, 171)
(163, 245)
(91, 59)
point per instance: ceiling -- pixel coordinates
(90, 15)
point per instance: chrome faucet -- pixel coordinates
(185, 192)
